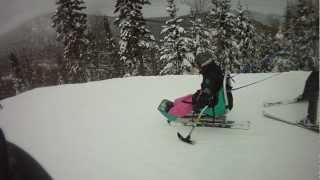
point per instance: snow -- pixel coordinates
(112, 130)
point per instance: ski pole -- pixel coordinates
(187, 139)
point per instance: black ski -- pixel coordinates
(273, 117)
(245, 125)
(227, 124)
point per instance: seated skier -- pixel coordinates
(211, 83)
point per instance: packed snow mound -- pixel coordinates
(112, 130)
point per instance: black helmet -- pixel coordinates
(203, 59)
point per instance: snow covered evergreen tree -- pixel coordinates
(71, 26)
(264, 52)
(134, 35)
(154, 56)
(288, 15)
(175, 48)
(151, 58)
(17, 74)
(200, 35)
(102, 49)
(112, 51)
(222, 24)
(302, 35)
(246, 38)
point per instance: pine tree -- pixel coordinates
(60, 70)
(17, 74)
(151, 58)
(175, 49)
(154, 62)
(246, 38)
(102, 49)
(222, 24)
(264, 52)
(71, 26)
(112, 51)
(134, 35)
(200, 35)
(288, 15)
(302, 35)
(93, 55)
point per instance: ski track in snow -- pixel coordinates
(112, 130)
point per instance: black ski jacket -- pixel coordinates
(211, 83)
(212, 79)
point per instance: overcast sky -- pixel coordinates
(13, 12)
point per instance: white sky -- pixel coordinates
(13, 12)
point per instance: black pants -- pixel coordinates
(313, 110)
(201, 99)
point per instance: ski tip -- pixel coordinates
(186, 140)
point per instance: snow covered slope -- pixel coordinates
(112, 130)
